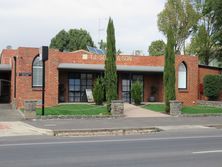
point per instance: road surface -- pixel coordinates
(188, 148)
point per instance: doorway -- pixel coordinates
(127, 81)
(4, 91)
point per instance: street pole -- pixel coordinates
(44, 57)
(43, 87)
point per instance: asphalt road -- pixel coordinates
(191, 148)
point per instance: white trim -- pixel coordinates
(119, 67)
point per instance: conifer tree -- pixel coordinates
(169, 70)
(110, 66)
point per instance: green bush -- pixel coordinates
(137, 92)
(98, 91)
(212, 86)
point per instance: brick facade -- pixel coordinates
(55, 77)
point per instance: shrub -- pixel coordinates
(212, 86)
(98, 91)
(137, 92)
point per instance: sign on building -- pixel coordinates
(89, 95)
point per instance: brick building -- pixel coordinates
(68, 74)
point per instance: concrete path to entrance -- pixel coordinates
(8, 114)
(137, 111)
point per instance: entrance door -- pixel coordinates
(4, 91)
(127, 82)
(126, 89)
(86, 83)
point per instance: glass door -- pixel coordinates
(127, 82)
(126, 89)
(86, 83)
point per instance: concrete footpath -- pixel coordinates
(105, 126)
(17, 128)
(122, 126)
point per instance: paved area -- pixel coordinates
(8, 114)
(61, 124)
(195, 148)
(133, 111)
(21, 129)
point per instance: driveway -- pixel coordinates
(8, 114)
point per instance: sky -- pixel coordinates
(33, 23)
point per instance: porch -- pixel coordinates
(74, 79)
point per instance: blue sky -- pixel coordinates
(34, 22)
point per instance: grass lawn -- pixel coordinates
(75, 109)
(187, 109)
(155, 107)
(201, 110)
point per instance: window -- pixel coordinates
(78, 83)
(182, 76)
(37, 70)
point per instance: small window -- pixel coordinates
(182, 76)
(37, 70)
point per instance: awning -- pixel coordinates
(5, 67)
(100, 67)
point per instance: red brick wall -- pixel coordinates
(77, 57)
(203, 71)
(7, 56)
(25, 58)
(24, 89)
(189, 96)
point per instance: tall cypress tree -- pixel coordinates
(110, 66)
(169, 70)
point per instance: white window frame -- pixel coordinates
(182, 76)
(36, 66)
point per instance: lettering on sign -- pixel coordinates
(24, 74)
(103, 57)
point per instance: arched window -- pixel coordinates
(182, 76)
(37, 72)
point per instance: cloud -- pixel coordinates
(34, 23)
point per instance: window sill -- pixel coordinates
(37, 88)
(183, 91)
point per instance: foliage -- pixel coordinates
(169, 71)
(203, 42)
(60, 41)
(103, 46)
(136, 91)
(181, 17)
(110, 66)
(74, 39)
(74, 109)
(157, 48)
(214, 8)
(98, 91)
(212, 86)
